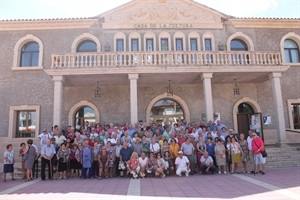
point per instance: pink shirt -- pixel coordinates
(256, 144)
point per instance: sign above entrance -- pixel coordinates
(163, 26)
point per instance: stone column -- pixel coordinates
(206, 77)
(58, 100)
(277, 97)
(133, 98)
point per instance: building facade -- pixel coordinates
(151, 60)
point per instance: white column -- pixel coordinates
(277, 97)
(58, 100)
(206, 77)
(133, 98)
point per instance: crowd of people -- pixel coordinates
(106, 151)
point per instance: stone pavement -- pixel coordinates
(277, 184)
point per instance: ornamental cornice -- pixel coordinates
(162, 70)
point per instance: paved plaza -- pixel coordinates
(277, 184)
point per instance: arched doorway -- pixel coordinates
(246, 116)
(166, 111)
(179, 101)
(244, 111)
(83, 111)
(83, 114)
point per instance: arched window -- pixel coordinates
(291, 51)
(245, 108)
(30, 55)
(84, 114)
(165, 111)
(238, 45)
(87, 46)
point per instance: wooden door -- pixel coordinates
(243, 123)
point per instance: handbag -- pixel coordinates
(264, 153)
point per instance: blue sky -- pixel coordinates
(44, 9)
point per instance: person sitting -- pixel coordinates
(125, 154)
(152, 164)
(160, 167)
(143, 161)
(133, 166)
(182, 164)
(207, 164)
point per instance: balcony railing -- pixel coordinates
(160, 58)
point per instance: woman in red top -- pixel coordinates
(257, 148)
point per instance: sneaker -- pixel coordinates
(252, 172)
(263, 173)
(219, 172)
(100, 178)
(225, 172)
(60, 178)
(186, 174)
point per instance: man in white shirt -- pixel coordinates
(59, 139)
(44, 136)
(143, 161)
(207, 164)
(182, 164)
(154, 147)
(249, 141)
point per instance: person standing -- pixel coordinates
(257, 148)
(189, 150)
(47, 153)
(87, 160)
(251, 156)
(9, 161)
(30, 155)
(62, 157)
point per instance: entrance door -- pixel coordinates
(243, 123)
(166, 111)
(247, 120)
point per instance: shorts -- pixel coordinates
(258, 159)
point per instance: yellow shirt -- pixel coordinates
(174, 150)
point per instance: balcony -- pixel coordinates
(162, 58)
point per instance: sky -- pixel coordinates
(46, 9)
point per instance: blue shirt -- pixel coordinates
(131, 132)
(125, 153)
(48, 150)
(211, 149)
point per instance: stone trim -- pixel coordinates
(12, 125)
(150, 35)
(135, 35)
(196, 35)
(162, 35)
(79, 105)
(83, 37)
(179, 35)
(290, 112)
(292, 36)
(209, 35)
(242, 36)
(119, 35)
(178, 99)
(17, 53)
(248, 100)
